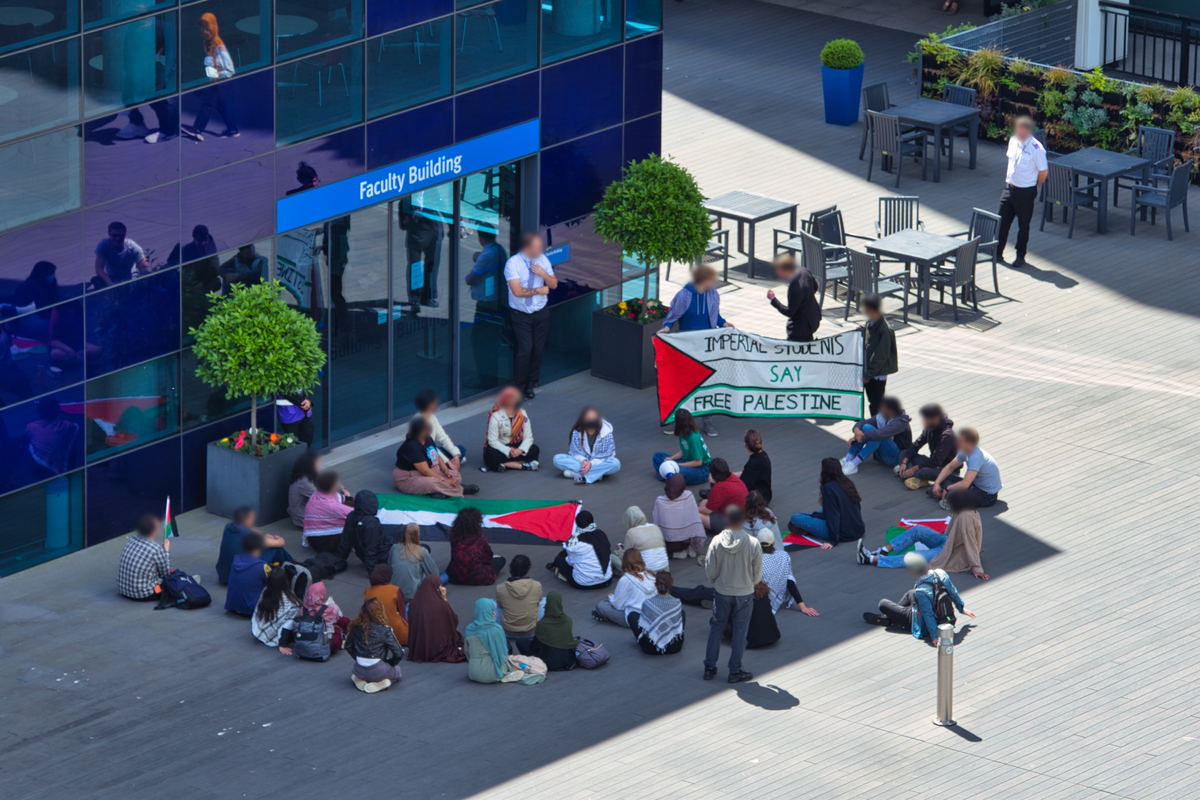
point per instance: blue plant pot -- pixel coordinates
(842, 89)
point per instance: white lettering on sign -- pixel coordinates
(392, 183)
(435, 168)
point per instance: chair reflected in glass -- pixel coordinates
(486, 13)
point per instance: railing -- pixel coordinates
(1152, 45)
(1043, 35)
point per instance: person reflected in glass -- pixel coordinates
(117, 256)
(217, 66)
(247, 267)
(13, 381)
(336, 246)
(39, 290)
(51, 439)
(423, 233)
(201, 245)
(67, 345)
(485, 280)
(307, 177)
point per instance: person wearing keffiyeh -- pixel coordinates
(509, 435)
(585, 561)
(658, 627)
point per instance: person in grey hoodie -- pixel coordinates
(884, 436)
(734, 566)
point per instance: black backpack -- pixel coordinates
(180, 590)
(943, 605)
(311, 643)
(299, 578)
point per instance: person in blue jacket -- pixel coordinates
(915, 609)
(840, 518)
(231, 544)
(697, 307)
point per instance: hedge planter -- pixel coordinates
(238, 479)
(842, 89)
(623, 350)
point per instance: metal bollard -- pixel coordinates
(945, 687)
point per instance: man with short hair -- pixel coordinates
(884, 436)
(117, 256)
(918, 471)
(247, 576)
(915, 610)
(734, 567)
(879, 357)
(982, 478)
(727, 489)
(231, 543)
(1027, 171)
(145, 561)
(803, 312)
(519, 599)
(530, 278)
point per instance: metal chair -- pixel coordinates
(816, 263)
(874, 98)
(1156, 146)
(1062, 191)
(1154, 198)
(961, 277)
(831, 230)
(985, 226)
(894, 144)
(792, 241)
(898, 214)
(959, 96)
(717, 249)
(864, 279)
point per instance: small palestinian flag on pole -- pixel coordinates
(169, 527)
(507, 521)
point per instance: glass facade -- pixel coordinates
(145, 145)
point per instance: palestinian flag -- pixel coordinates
(508, 521)
(794, 541)
(936, 525)
(169, 527)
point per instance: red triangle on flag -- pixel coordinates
(550, 522)
(678, 375)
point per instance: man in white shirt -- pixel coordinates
(1027, 170)
(530, 278)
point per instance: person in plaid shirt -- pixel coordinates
(145, 561)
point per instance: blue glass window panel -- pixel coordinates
(498, 106)
(195, 452)
(495, 40)
(390, 15)
(249, 263)
(202, 403)
(410, 134)
(117, 159)
(151, 220)
(41, 439)
(573, 27)
(569, 350)
(232, 224)
(594, 263)
(319, 94)
(333, 158)
(468, 3)
(235, 118)
(581, 96)
(409, 67)
(46, 350)
(642, 17)
(122, 489)
(243, 25)
(132, 322)
(643, 137)
(305, 26)
(58, 241)
(131, 64)
(39, 89)
(41, 523)
(575, 175)
(100, 12)
(41, 177)
(37, 21)
(643, 77)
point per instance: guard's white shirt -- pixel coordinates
(1025, 160)
(518, 268)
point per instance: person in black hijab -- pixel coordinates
(363, 532)
(585, 561)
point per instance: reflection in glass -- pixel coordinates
(408, 67)
(326, 160)
(130, 64)
(240, 29)
(388, 15)
(132, 407)
(495, 40)
(318, 94)
(574, 175)
(121, 489)
(206, 201)
(569, 350)
(40, 352)
(39, 89)
(228, 121)
(642, 17)
(571, 27)
(582, 260)
(490, 211)
(116, 158)
(218, 273)
(99, 12)
(41, 178)
(643, 78)
(596, 77)
(202, 403)
(41, 439)
(301, 266)
(58, 241)
(303, 26)
(132, 322)
(41, 523)
(34, 21)
(133, 236)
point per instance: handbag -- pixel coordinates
(590, 654)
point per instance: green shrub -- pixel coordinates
(841, 54)
(1153, 95)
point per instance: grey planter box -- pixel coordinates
(623, 351)
(236, 480)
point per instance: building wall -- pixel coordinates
(1043, 35)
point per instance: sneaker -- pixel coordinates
(668, 431)
(860, 554)
(231, 134)
(706, 427)
(850, 467)
(944, 504)
(917, 483)
(568, 473)
(682, 554)
(741, 676)
(132, 130)
(710, 673)
(500, 468)
(691, 552)
(875, 619)
(304, 542)
(896, 470)
(158, 136)
(470, 488)
(483, 469)
(437, 496)
(580, 480)
(372, 688)
(596, 615)
(532, 466)
(704, 493)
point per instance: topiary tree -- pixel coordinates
(656, 213)
(253, 344)
(841, 54)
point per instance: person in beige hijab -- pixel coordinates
(956, 550)
(646, 537)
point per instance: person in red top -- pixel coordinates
(472, 562)
(727, 489)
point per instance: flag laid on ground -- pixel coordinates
(169, 527)
(936, 525)
(793, 540)
(508, 521)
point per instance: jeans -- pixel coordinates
(727, 608)
(605, 466)
(691, 475)
(979, 498)
(917, 533)
(813, 526)
(610, 613)
(884, 450)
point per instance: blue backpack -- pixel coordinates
(180, 590)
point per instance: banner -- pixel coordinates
(738, 374)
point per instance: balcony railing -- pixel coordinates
(1151, 45)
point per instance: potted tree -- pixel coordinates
(252, 344)
(841, 80)
(656, 214)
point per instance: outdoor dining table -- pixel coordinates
(1104, 166)
(918, 247)
(748, 208)
(935, 116)
(285, 25)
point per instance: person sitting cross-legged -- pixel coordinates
(231, 543)
(585, 559)
(915, 609)
(592, 451)
(372, 644)
(956, 550)
(884, 436)
(981, 480)
(247, 576)
(693, 457)
(520, 602)
(554, 638)
(145, 561)
(635, 586)
(678, 517)
(727, 490)
(647, 538)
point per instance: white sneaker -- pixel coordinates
(196, 578)
(372, 688)
(304, 541)
(896, 470)
(568, 473)
(849, 467)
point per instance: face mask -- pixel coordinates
(592, 426)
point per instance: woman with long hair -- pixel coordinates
(956, 550)
(325, 514)
(778, 576)
(678, 517)
(301, 484)
(585, 560)
(218, 65)
(377, 654)
(472, 562)
(554, 638)
(634, 588)
(591, 450)
(757, 472)
(421, 469)
(433, 626)
(659, 625)
(758, 517)
(276, 608)
(692, 457)
(509, 435)
(840, 517)
(412, 562)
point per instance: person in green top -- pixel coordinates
(692, 457)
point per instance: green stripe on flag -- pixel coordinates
(452, 505)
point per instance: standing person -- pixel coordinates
(884, 435)
(981, 481)
(734, 566)
(879, 358)
(117, 256)
(840, 518)
(727, 489)
(471, 560)
(1027, 171)
(915, 609)
(509, 435)
(295, 415)
(421, 470)
(697, 307)
(486, 280)
(530, 278)
(756, 475)
(692, 457)
(217, 66)
(592, 451)
(427, 403)
(678, 517)
(585, 560)
(145, 561)
(423, 234)
(803, 312)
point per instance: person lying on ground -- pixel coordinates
(956, 550)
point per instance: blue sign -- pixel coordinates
(559, 254)
(406, 177)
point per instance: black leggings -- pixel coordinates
(493, 458)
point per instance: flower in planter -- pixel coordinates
(274, 438)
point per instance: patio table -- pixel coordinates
(1103, 166)
(917, 247)
(748, 208)
(937, 115)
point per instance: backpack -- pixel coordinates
(180, 590)
(299, 577)
(943, 606)
(311, 644)
(591, 655)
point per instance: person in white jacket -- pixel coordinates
(635, 587)
(592, 453)
(427, 403)
(509, 435)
